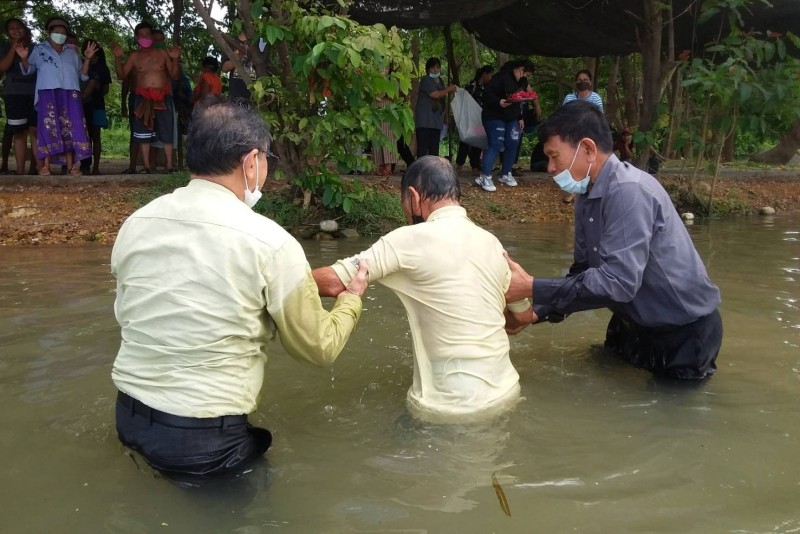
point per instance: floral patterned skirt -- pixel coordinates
(62, 126)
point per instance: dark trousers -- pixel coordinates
(473, 152)
(688, 352)
(428, 141)
(405, 152)
(188, 445)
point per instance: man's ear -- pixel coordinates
(414, 200)
(590, 147)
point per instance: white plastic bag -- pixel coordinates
(467, 115)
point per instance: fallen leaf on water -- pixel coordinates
(501, 496)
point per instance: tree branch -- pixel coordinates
(219, 37)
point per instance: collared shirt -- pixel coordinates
(593, 97)
(55, 70)
(200, 280)
(461, 362)
(632, 254)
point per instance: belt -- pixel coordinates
(177, 421)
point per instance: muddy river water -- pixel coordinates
(595, 446)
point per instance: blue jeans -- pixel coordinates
(501, 134)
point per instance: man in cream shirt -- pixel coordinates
(462, 369)
(203, 282)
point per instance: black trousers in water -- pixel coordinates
(688, 352)
(188, 445)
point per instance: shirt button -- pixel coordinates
(591, 219)
(595, 249)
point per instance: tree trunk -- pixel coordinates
(473, 47)
(784, 151)
(650, 45)
(612, 96)
(630, 87)
(452, 66)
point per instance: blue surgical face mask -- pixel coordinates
(58, 38)
(567, 183)
(434, 75)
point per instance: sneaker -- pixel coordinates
(508, 180)
(485, 182)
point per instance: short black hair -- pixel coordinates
(141, 26)
(583, 71)
(486, 69)
(210, 62)
(220, 133)
(434, 179)
(432, 62)
(576, 120)
(516, 63)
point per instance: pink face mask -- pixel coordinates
(145, 43)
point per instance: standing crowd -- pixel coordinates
(55, 97)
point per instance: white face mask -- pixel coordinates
(58, 38)
(251, 197)
(567, 183)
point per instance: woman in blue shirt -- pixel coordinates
(61, 126)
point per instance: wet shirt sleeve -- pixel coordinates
(307, 331)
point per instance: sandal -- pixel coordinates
(129, 170)
(75, 171)
(44, 171)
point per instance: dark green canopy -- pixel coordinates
(569, 28)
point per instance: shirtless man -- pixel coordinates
(153, 108)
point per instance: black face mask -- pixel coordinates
(582, 86)
(416, 219)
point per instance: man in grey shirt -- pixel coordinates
(632, 255)
(429, 113)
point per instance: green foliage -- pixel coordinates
(746, 82)
(321, 102)
(376, 212)
(280, 209)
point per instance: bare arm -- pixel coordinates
(521, 286)
(517, 321)
(328, 282)
(8, 60)
(173, 56)
(441, 93)
(89, 90)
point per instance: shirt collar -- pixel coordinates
(447, 211)
(600, 186)
(208, 185)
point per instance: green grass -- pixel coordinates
(116, 142)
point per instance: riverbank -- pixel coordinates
(36, 210)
